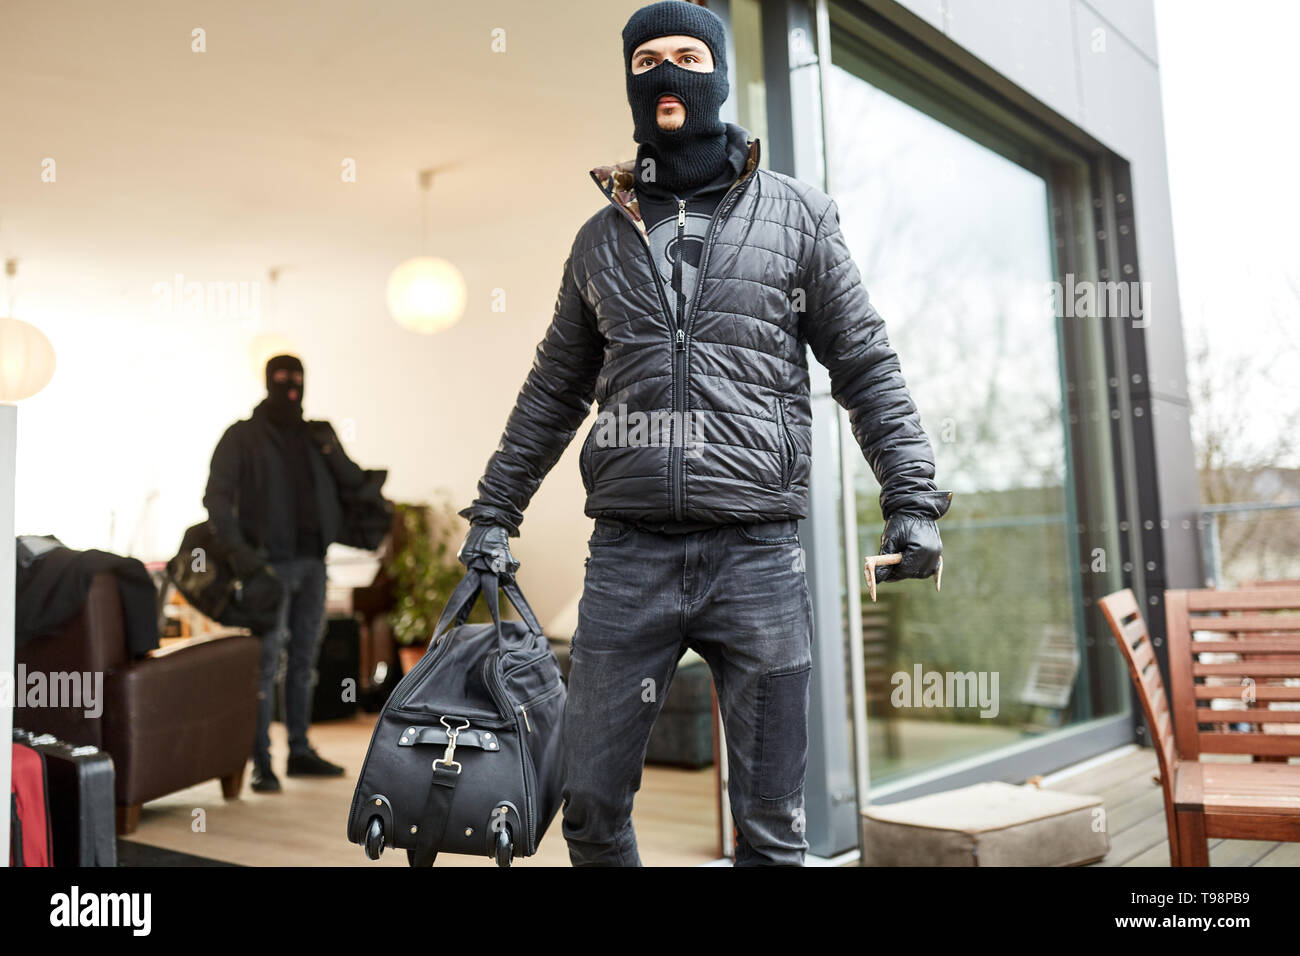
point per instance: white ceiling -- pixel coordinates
(220, 165)
(231, 158)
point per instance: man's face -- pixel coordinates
(282, 375)
(686, 52)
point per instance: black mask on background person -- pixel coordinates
(695, 153)
(283, 409)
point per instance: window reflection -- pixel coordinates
(953, 241)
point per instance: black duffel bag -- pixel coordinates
(204, 572)
(465, 756)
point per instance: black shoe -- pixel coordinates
(264, 780)
(312, 764)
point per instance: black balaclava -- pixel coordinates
(284, 410)
(693, 155)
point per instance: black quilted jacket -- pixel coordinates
(709, 421)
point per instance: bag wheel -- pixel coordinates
(374, 838)
(505, 848)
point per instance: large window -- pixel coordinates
(953, 232)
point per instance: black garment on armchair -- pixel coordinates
(52, 586)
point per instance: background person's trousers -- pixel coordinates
(738, 596)
(298, 629)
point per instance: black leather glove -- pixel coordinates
(261, 592)
(917, 539)
(487, 548)
(247, 563)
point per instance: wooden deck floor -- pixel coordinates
(675, 815)
(1135, 814)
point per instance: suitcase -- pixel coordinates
(465, 756)
(339, 660)
(30, 840)
(80, 783)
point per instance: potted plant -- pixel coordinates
(423, 568)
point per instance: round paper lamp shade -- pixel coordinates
(26, 360)
(426, 295)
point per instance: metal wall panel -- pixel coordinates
(1134, 19)
(1122, 107)
(1030, 42)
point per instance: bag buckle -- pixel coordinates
(448, 756)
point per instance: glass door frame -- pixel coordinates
(1087, 190)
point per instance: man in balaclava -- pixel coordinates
(686, 309)
(273, 498)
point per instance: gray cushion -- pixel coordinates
(988, 824)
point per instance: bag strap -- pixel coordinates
(466, 593)
(437, 811)
(489, 584)
(458, 605)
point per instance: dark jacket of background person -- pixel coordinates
(251, 498)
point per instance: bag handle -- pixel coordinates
(466, 593)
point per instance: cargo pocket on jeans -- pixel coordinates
(783, 723)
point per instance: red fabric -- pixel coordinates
(30, 804)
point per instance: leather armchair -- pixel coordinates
(181, 715)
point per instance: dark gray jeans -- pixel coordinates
(298, 630)
(738, 596)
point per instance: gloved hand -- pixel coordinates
(247, 563)
(917, 539)
(261, 592)
(487, 548)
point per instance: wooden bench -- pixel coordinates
(1224, 686)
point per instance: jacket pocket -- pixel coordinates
(584, 459)
(787, 445)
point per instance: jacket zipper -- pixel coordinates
(677, 457)
(679, 369)
(681, 329)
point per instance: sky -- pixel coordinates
(1230, 75)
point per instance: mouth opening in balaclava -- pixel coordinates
(694, 153)
(281, 406)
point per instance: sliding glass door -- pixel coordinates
(952, 230)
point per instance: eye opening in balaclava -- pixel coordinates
(694, 153)
(282, 407)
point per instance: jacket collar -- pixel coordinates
(617, 182)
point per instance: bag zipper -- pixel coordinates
(496, 688)
(528, 663)
(540, 698)
(427, 662)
